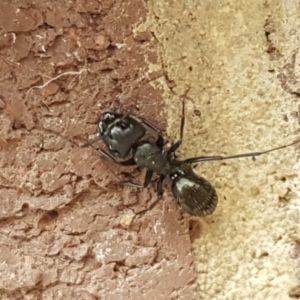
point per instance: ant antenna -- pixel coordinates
(250, 154)
(90, 142)
(182, 122)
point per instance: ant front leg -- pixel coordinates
(129, 162)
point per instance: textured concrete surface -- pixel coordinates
(240, 61)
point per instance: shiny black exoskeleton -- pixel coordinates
(120, 132)
(123, 133)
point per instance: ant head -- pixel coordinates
(120, 132)
(106, 121)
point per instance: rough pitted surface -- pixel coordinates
(68, 230)
(239, 61)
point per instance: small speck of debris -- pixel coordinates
(120, 46)
(126, 221)
(197, 112)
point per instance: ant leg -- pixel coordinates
(159, 193)
(172, 150)
(250, 154)
(160, 142)
(105, 154)
(129, 162)
(137, 185)
(175, 146)
(160, 185)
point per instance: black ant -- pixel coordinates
(123, 133)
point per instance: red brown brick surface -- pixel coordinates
(68, 230)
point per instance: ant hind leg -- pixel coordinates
(148, 178)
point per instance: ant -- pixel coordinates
(123, 133)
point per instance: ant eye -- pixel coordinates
(108, 116)
(102, 127)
